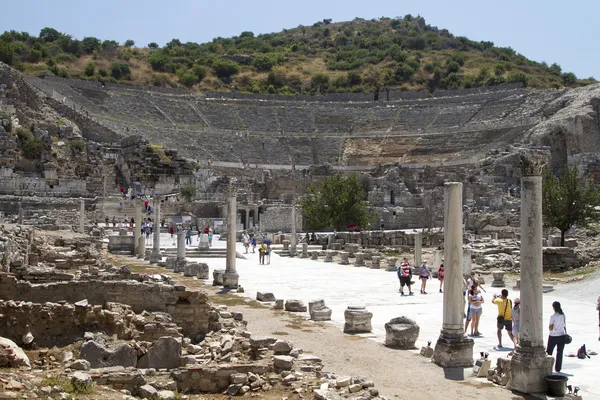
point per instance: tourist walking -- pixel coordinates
(114, 221)
(558, 335)
(188, 236)
(441, 275)
(504, 319)
(246, 240)
(210, 237)
(516, 316)
(424, 275)
(405, 276)
(171, 230)
(476, 308)
(106, 221)
(261, 253)
(268, 253)
(253, 244)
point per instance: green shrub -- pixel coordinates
(158, 60)
(129, 43)
(517, 77)
(452, 67)
(65, 58)
(32, 147)
(90, 69)
(6, 53)
(188, 192)
(102, 71)
(265, 62)
(200, 71)
(569, 78)
(120, 70)
(187, 78)
(225, 68)
(160, 80)
(77, 145)
(90, 44)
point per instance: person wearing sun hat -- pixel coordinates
(516, 318)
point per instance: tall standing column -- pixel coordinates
(181, 245)
(255, 217)
(137, 226)
(453, 348)
(81, 216)
(294, 238)
(418, 244)
(247, 226)
(530, 364)
(231, 277)
(20, 215)
(156, 257)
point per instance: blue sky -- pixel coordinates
(565, 32)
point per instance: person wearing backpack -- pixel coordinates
(504, 319)
(558, 335)
(405, 276)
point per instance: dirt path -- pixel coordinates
(394, 372)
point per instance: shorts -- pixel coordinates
(441, 277)
(405, 281)
(424, 277)
(506, 324)
(476, 311)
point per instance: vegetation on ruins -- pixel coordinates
(569, 200)
(336, 201)
(357, 56)
(188, 192)
(31, 146)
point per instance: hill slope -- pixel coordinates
(355, 56)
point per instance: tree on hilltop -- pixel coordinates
(337, 201)
(569, 200)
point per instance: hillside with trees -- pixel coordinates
(356, 56)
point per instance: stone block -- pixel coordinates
(358, 320)
(99, 355)
(314, 255)
(319, 311)
(218, 277)
(279, 304)
(401, 333)
(265, 296)
(344, 258)
(328, 256)
(359, 261)
(391, 264)
(295, 306)
(498, 279)
(164, 354)
(283, 347)
(283, 363)
(375, 262)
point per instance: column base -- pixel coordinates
(528, 368)
(155, 257)
(453, 350)
(231, 280)
(293, 251)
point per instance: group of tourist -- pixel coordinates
(264, 250)
(405, 276)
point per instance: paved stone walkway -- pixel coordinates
(343, 285)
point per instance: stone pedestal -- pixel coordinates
(314, 255)
(156, 256)
(218, 277)
(293, 250)
(344, 255)
(453, 348)
(328, 256)
(498, 279)
(358, 320)
(181, 245)
(203, 242)
(202, 271)
(81, 216)
(391, 264)
(401, 333)
(137, 226)
(295, 306)
(418, 244)
(230, 278)
(375, 262)
(359, 261)
(141, 246)
(304, 250)
(319, 311)
(530, 364)
(286, 245)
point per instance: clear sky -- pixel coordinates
(563, 31)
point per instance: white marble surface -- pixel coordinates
(343, 285)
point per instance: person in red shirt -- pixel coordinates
(172, 230)
(146, 204)
(405, 276)
(441, 275)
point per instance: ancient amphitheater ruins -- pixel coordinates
(107, 311)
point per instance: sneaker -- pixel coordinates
(441, 291)
(401, 293)
(410, 294)
(424, 292)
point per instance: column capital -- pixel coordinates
(533, 161)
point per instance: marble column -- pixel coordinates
(20, 215)
(181, 245)
(453, 348)
(231, 277)
(418, 244)
(256, 217)
(294, 238)
(141, 247)
(247, 225)
(530, 364)
(137, 226)
(156, 257)
(81, 216)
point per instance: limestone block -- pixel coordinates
(218, 277)
(359, 260)
(11, 355)
(344, 255)
(171, 262)
(148, 392)
(279, 304)
(319, 311)
(498, 279)
(286, 245)
(358, 320)
(180, 266)
(304, 250)
(191, 269)
(265, 296)
(283, 363)
(328, 256)
(203, 242)
(202, 272)
(99, 355)
(391, 264)
(314, 255)
(165, 353)
(283, 347)
(257, 342)
(295, 306)
(401, 333)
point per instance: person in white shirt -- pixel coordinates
(558, 335)
(246, 240)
